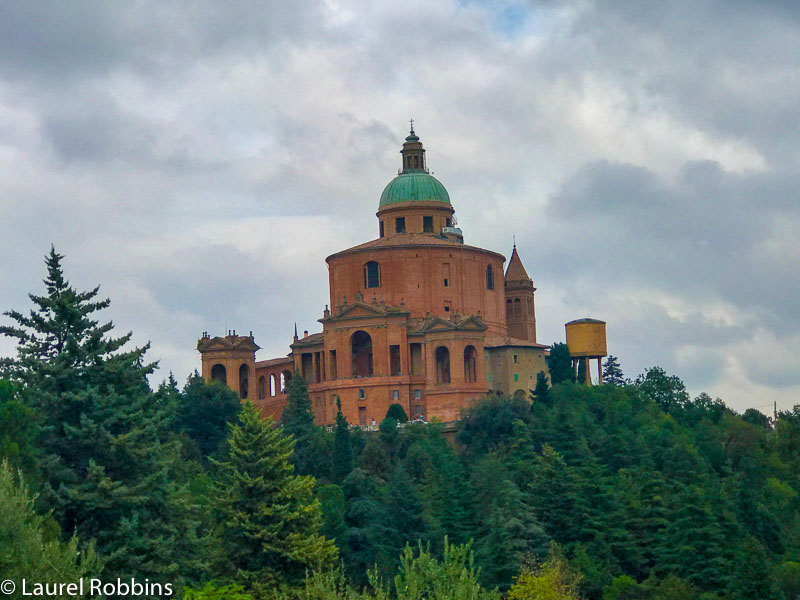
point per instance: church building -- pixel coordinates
(416, 317)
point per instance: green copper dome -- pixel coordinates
(411, 186)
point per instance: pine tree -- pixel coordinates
(108, 475)
(612, 373)
(269, 517)
(559, 364)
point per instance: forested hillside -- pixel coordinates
(627, 490)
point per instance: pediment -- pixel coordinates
(437, 324)
(471, 324)
(363, 310)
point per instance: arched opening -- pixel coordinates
(509, 307)
(272, 384)
(442, 365)
(517, 306)
(262, 387)
(361, 355)
(469, 364)
(244, 373)
(218, 373)
(489, 277)
(372, 275)
(285, 377)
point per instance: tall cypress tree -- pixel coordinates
(106, 469)
(270, 518)
(342, 462)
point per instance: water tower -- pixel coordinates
(586, 339)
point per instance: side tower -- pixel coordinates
(231, 360)
(520, 308)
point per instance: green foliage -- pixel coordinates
(559, 363)
(29, 546)
(542, 391)
(270, 519)
(210, 591)
(334, 508)
(109, 472)
(18, 430)
(397, 412)
(490, 422)
(666, 390)
(423, 576)
(342, 462)
(787, 577)
(298, 421)
(612, 373)
(203, 412)
(581, 377)
(551, 580)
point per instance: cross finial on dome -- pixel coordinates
(412, 125)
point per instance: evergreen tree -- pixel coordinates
(298, 421)
(666, 390)
(559, 363)
(403, 521)
(542, 391)
(342, 462)
(612, 373)
(752, 579)
(108, 475)
(204, 410)
(270, 520)
(30, 547)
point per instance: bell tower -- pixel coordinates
(520, 307)
(413, 153)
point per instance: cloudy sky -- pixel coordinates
(200, 160)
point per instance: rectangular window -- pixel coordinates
(446, 282)
(361, 394)
(489, 377)
(394, 360)
(395, 395)
(515, 359)
(400, 225)
(427, 224)
(448, 222)
(447, 307)
(516, 376)
(417, 394)
(418, 410)
(381, 228)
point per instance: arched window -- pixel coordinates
(361, 354)
(470, 369)
(273, 384)
(489, 277)
(372, 275)
(285, 377)
(262, 387)
(517, 307)
(219, 373)
(509, 307)
(442, 365)
(244, 373)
